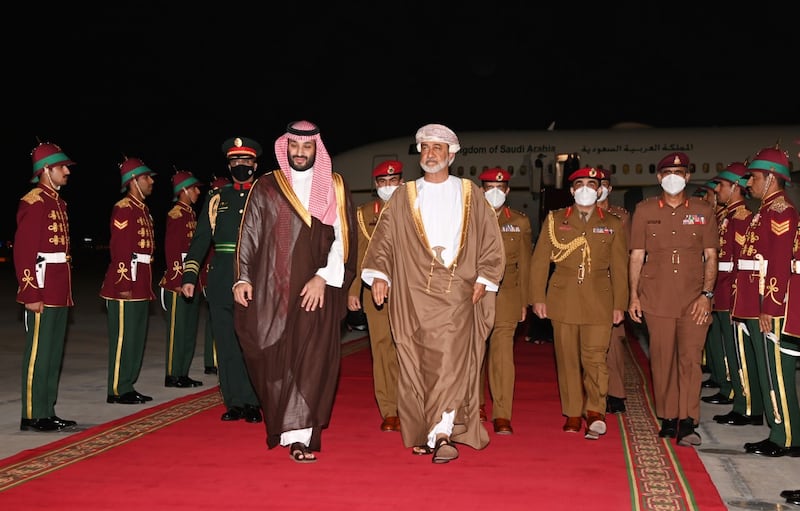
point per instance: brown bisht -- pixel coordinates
(292, 356)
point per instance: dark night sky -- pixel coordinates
(168, 84)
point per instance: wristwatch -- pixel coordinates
(708, 294)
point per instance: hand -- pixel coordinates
(187, 290)
(243, 293)
(635, 310)
(353, 303)
(35, 306)
(540, 309)
(478, 292)
(765, 323)
(380, 291)
(313, 294)
(700, 310)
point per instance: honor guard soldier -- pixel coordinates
(615, 359)
(182, 313)
(585, 296)
(387, 176)
(764, 265)
(209, 345)
(218, 223)
(512, 300)
(672, 290)
(128, 284)
(738, 357)
(42, 265)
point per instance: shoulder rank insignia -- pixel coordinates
(33, 196)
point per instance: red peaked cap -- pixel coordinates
(590, 172)
(388, 168)
(496, 175)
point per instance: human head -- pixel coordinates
(300, 149)
(387, 176)
(769, 171)
(495, 185)
(731, 183)
(242, 153)
(219, 182)
(437, 145)
(49, 158)
(184, 182)
(673, 172)
(585, 185)
(605, 186)
(135, 175)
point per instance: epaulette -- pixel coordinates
(780, 204)
(33, 196)
(124, 202)
(175, 212)
(741, 213)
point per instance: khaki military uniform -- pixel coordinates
(589, 282)
(384, 353)
(512, 298)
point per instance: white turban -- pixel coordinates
(438, 133)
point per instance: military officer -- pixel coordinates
(128, 284)
(672, 290)
(387, 176)
(218, 223)
(209, 346)
(42, 266)
(588, 247)
(739, 361)
(615, 359)
(182, 313)
(512, 300)
(762, 280)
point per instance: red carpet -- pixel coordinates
(180, 456)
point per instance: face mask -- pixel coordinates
(585, 196)
(384, 192)
(603, 194)
(241, 172)
(673, 184)
(495, 196)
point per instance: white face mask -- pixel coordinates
(585, 196)
(673, 184)
(384, 192)
(495, 196)
(603, 194)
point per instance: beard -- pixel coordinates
(302, 168)
(433, 169)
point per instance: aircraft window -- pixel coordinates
(692, 168)
(720, 167)
(510, 170)
(412, 149)
(460, 171)
(639, 168)
(472, 171)
(522, 170)
(651, 168)
(706, 168)
(626, 169)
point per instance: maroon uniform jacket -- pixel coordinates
(791, 325)
(42, 250)
(181, 223)
(131, 249)
(770, 235)
(732, 228)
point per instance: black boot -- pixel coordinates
(687, 435)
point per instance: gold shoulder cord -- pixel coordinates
(563, 250)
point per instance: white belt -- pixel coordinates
(752, 265)
(795, 266)
(135, 260)
(725, 266)
(45, 258)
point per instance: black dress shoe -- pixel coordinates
(717, 399)
(615, 404)
(63, 423)
(790, 494)
(142, 396)
(773, 450)
(252, 413)
(234, 413)
(749, 446)
(41, 425)
(210, 370)
(738, 419)
(709, 383)
(128, 398)
(669, 428)
(793, 500)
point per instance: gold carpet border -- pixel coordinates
(655, 475)
(103, 440)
